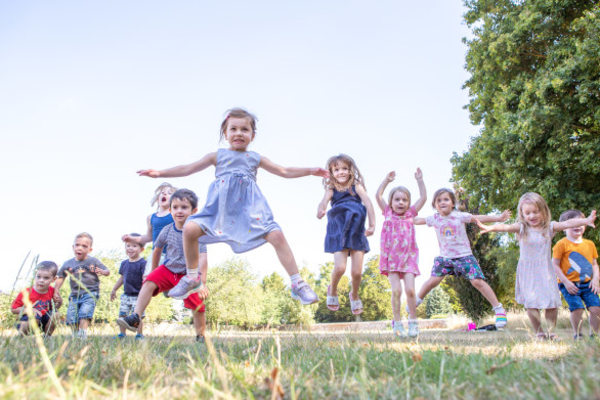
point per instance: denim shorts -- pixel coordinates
(463, 266)
(81, 306)
(128, 305)
(585, 295)
(42, 321)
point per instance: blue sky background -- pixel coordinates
(90, 92)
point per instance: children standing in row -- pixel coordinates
(236, 211)
(399, 258)
(346, 234)
(83, 271)
(536, 287)
(183, 204)
(41, 296)
(132, 273)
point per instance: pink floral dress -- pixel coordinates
(399, 251)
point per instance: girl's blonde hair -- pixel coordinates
(441, 191)
(540, 203)
(399, 189)
(159, 189)
(355, 175)
(237, 112)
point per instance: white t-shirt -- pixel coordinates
(451, 233)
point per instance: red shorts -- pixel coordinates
(165, 279)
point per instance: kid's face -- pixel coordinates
(133, 250)
(239, 133)
(575, 234)
(400, 202)
(82, 247)
(444, 204)
(531, 214)
(164, 197)
(42, 281)
(181, 210)
(341, 172)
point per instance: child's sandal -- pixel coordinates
(355, 305)
(333, 303)
(541, 336)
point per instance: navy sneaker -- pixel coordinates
(139, 336)
(131, 322)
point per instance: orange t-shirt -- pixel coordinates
(575, 259)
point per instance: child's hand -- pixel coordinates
(127, 238)
(113, 295)
(483, 228)
(390, 176)
(57, 300)
(319, 172)
(203, 292)
(595, 286)
(369, 231)
(591, 219)
(504, 216)
(321, 213)
(419, 174)
(152, 173)
(571, 288)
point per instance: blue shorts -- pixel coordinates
(585, 295)
(81, 306)
(42, 321)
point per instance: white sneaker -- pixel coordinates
(303, 293)
(413, 329)
(398, 328)
(417, 303)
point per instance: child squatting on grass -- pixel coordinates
(132, 273)
(164, 277)
(346, 234)
(41, 296)
(83, 271)
(399, 259)
(575, 262)
(456, 256)
(536, 287)
(236, 212)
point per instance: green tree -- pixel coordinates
(437, 303)
(534, 85)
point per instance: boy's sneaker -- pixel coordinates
(302, 292)
(139, 336)
(185, 287)
(120, 336)
(82, 334)
(418, 302)
(398, 329)
(413, 329)
(131, 322)
(199, 339)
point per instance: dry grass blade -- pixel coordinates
(493, 368)
(274, 385)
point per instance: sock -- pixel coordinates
(418, 301)
(295, 279)
(499, 309)
(192, 273)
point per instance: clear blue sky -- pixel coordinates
(90, 92)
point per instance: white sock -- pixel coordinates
(192, 273)
(418, 301)
(295, 279)
(499, 308)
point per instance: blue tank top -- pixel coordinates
(158, 223)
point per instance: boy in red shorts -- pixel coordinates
(183, 203)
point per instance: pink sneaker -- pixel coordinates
(185, 287)
(304, 293)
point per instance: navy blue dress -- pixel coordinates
(346, 223)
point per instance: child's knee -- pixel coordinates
(410, 292)
(276, 238)
(356, 275)
(192, 231)
(397, 293)
(478, 283)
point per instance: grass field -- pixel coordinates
(442, 363)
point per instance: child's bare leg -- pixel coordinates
(24, 328)
(145, 296)
(411, 299)
(535, 319)
(283, 250)
(486, 291)
(199, 319)
(356, 257)
(594, 318)
(551, 317)
(340, 259)
(396, 284)
(191, 233)
(576, 321)
(429, 285)
(84, 323)
(140, 329)
(51, 326)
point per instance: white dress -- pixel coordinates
(537, 285)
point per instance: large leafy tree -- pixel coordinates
(535, 92)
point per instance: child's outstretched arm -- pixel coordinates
(118, 283)
(491, 218)
(322, 210)
(143, 239)
(379, 195)
(514, 228)
(362, 193)
(290, 172)
(181, 170)
(575, 222)
(422, 190)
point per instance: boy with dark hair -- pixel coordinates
(132, 276)
(575, 263)
(41, 297)
(162, 278)
(85, 285)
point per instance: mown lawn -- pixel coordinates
(308, 365)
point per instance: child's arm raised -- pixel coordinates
(379, 195)
(422, 190)
(118, 283)
(362, 193)
(575, 222)
(143, 239)
(322, 210)
(290, 172)
(181, 170)
(492, 218)
(514, 228)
